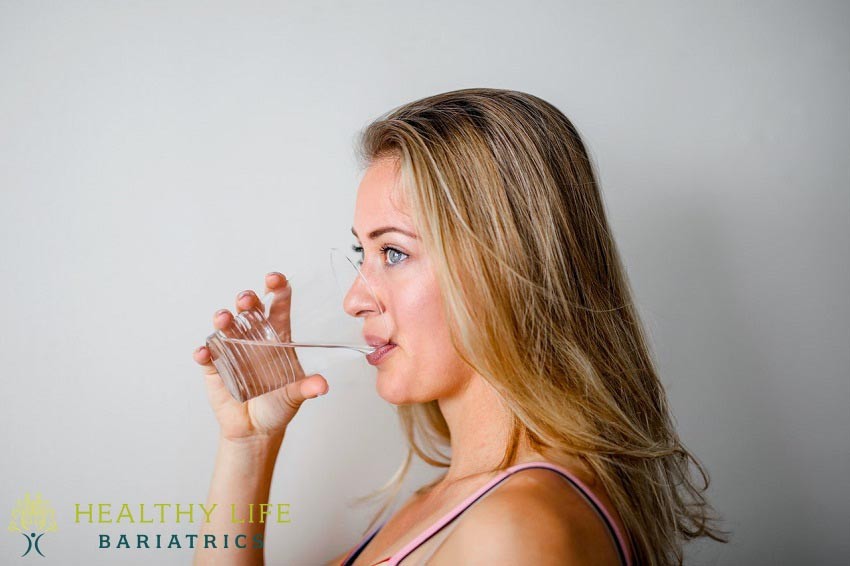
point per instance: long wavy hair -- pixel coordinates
(505, 199)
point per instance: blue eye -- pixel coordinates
(386, 250)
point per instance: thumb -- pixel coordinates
(309, 387)
(314, 385)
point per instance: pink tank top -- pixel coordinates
(616, 533)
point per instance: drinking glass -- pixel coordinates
(253, 359)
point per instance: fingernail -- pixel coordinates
(244, 294)
(220, 312)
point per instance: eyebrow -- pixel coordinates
(375, 233)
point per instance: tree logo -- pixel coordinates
(33, 518)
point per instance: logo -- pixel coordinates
(33, 518)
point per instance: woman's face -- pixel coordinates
(423, 365)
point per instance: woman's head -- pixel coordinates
(510, 241)
(514, 246)
(493, 184)
(423, 365)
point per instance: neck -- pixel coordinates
(480, 429)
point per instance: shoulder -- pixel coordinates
(534, 516)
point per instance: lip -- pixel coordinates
(375, 341)
(378, 355)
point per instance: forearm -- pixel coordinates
(242, 476)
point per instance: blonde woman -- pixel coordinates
(516, 357)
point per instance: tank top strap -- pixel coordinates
(357, 550)
(615, 532)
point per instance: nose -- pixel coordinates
(359, 302)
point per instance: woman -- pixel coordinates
(516, 346)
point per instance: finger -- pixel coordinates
(223, 320)
(275, 280)
(247, 300)
(279, 313)
(203, 357)
(216, 390)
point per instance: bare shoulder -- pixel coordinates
(533, 517)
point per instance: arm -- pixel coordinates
(250, 436)
(242, 475)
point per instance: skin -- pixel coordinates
(422, 367)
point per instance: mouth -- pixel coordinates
(382, 348)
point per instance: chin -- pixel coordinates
(395, 389)
(391, 390)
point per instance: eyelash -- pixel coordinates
(385, 248)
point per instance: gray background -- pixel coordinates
(158, 157)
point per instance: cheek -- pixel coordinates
(428, 367)
(421, 323)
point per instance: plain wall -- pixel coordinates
(158, 157)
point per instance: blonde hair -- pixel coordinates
(505, 200)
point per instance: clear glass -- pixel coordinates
(253, 358)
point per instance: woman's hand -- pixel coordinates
(266, 415)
